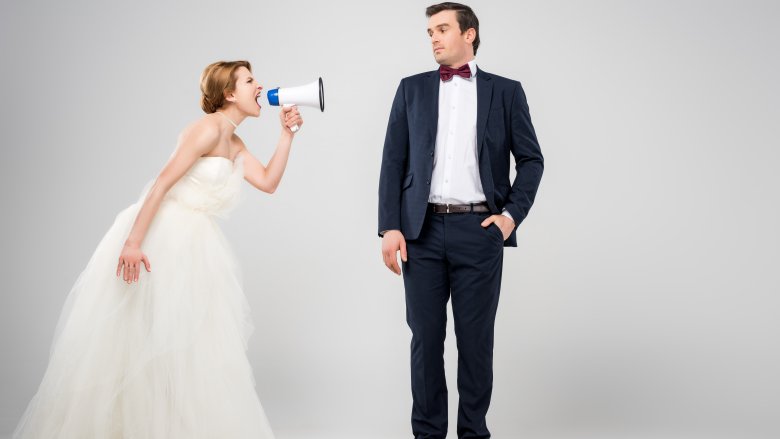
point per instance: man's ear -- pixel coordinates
(471, 33)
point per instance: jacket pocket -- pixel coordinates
(407, 181)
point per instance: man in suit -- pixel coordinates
(447, 205)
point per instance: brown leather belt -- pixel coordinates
(459, 208)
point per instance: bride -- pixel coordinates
(152, 344)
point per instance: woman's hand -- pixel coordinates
(130, 259)
(289, 117)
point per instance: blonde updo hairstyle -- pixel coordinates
(217, 80)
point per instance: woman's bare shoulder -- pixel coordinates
(199, 137)
(207, 126)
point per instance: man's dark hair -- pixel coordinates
(466, 18)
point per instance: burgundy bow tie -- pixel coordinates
(446, 73)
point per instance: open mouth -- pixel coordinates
(257, 100)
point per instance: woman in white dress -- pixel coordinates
(151, 342)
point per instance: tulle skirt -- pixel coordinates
(161, 358)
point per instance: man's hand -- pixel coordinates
(503, 222)
(392, 242)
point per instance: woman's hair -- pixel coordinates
(218, 79)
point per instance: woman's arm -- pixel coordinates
(267, 178)
(199, 139)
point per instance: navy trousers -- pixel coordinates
(453, 257)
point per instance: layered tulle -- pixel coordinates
(164, 357)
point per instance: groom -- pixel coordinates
(447, 205)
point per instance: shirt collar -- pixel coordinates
(473, 67)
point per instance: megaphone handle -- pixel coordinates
(293, 128)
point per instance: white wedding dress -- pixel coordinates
(163, 358)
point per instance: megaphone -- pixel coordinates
(309, 95)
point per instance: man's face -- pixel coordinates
(450, 47)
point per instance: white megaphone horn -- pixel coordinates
(309, 95)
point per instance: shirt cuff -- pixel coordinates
(508, 215)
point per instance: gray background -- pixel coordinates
(640, 303)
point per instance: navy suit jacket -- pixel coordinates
(503, 128)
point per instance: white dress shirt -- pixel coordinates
(455, 177)
(455, 166)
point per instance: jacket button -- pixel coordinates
(427, 182)
(431, 153)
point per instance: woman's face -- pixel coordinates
(246, 96)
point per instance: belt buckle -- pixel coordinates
(448, 207)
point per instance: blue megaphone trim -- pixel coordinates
(273, 97)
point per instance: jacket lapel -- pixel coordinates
(432, 103)
(484, 97)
